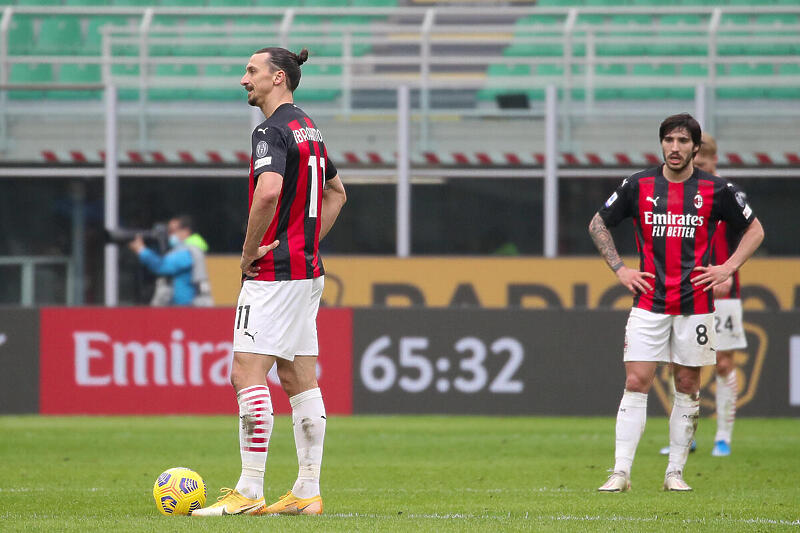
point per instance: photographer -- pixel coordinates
(183, 277)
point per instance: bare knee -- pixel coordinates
(724, 363)
(295, 380)
(687, 380)
(638, 383)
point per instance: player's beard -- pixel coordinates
(681, 167)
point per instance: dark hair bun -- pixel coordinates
(302, 57)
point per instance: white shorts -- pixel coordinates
(687, 340)
(278, 317)
(728, 324)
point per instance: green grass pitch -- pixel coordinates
(399, 474)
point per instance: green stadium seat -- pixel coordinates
(38, 73)
(749, 71)
(640, 25)
(678, 47)
(85, 2)
(129, 93)
(559, 3)
(309, 71)
(656, 91)
(786, 69)
(182, 3)
(256, 32)
(59, 35)
(211, 43)
(495, 88)
(172, 93)
(277, 3)
(232, 73)
(94, 37)
(325, 3)
(134, 3)
(39, 2)
(595, 19)
(613, 69)
(374, 3)
(229, 3)
(20, 35)
(78, 73)
(526, 27)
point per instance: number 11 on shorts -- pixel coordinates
(246, 309)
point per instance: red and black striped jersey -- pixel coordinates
(290, 144)
(674, 224)
(724, 243)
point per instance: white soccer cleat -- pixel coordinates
(673, 481)
(617, 482)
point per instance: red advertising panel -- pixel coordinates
(166, 361)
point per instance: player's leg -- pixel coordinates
(647, 343)
(298, 379)
(683, 420)
(665, 449)
(692, 347)
(249, 380)
(726, 392)
(730, 337)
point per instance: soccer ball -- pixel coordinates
(179, 491)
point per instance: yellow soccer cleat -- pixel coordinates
(232, 502)
(291, 504)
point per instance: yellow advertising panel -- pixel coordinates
(582, 282)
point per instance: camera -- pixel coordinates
(157, 235)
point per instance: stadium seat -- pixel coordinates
(255, 30)
(325, 3)
(182, 3)
(38, 2)
(614, 69)
(179, 92)
(78, 73)
(786, 69)
(59, 36)
(85, 2)
(232, 73)
(657, 90)
(640, 26)
(229, 3)
(38, 73)
(128, 71)
(277, 3)
(496, 70)
(94, 37)
(374, 3)
(667, 28)
(20, 35)
(310, 71)
(211, 43)
(745, 70)
(135, 3)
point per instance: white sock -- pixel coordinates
(682, 425)
(631, 419)
(727, 391)
(255, 429)
(308, 419)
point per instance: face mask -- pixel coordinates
(174, 241)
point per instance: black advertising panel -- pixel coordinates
(19, 357)
(543, 362)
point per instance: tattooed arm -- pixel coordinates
(632, 279)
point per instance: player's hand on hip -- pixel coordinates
(248, 266)
(711, 276)
(634, 280)
(723, 289)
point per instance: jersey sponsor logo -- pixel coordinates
(611, 199)
(302, 135)
(672, 225)
(258, 163)
(262, 148)
(698, 201)
(654, 200)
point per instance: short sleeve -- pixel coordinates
(330, 168)
(269, 150)
(619, 205)
(733, 207)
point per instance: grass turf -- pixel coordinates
(399, 474)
